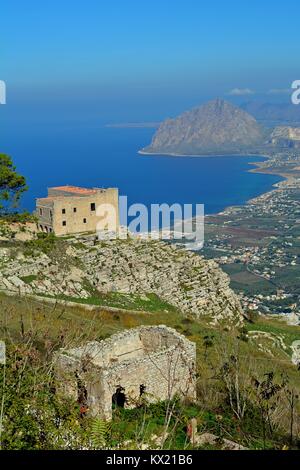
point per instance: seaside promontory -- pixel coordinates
(217, 127)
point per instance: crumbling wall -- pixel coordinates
(154, 362)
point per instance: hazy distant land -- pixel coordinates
(135, 125)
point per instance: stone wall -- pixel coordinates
(151, 362)
(67, 214)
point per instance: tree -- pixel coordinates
(267, 396)
(231, 376)
(12, 185)
(292, 398)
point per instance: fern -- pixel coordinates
(100, 431)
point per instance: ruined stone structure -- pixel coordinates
(151, 362)
(69, 209)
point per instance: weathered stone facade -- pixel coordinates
(151, 362)
(69, 209)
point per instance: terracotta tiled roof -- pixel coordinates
(49, 198)
(75, 190)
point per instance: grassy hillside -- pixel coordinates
(231, 368)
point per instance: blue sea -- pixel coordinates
(97, 156)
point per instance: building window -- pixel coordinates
(84, 221)
(64, 223)
(93, 206)
(41, 211)
(63, 211)
(51, 215)
(74, 209)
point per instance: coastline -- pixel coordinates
(261, 170)
(286, 178)
(258, 169)
(204, 155)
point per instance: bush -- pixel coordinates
(45, 242)
(19, 217)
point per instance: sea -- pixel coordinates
(100, 156)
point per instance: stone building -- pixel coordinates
(70, 209)
(151, 362)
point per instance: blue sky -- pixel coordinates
(160, 55)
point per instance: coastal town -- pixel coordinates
(258, 244)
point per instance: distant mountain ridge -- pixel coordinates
(215, 127)
(273, 112)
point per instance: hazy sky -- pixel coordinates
(129, 56)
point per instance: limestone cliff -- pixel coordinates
(286, 136)
(183, 279)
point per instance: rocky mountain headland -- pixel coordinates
(221, 128)
(217, 127)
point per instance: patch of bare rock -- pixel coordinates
(184, 279)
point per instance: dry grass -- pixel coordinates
(50, 327)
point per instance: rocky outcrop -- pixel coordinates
(215, 441)
(296, 352)
(183, 279)
(286, 136)
(216, 127)
(17, 231)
